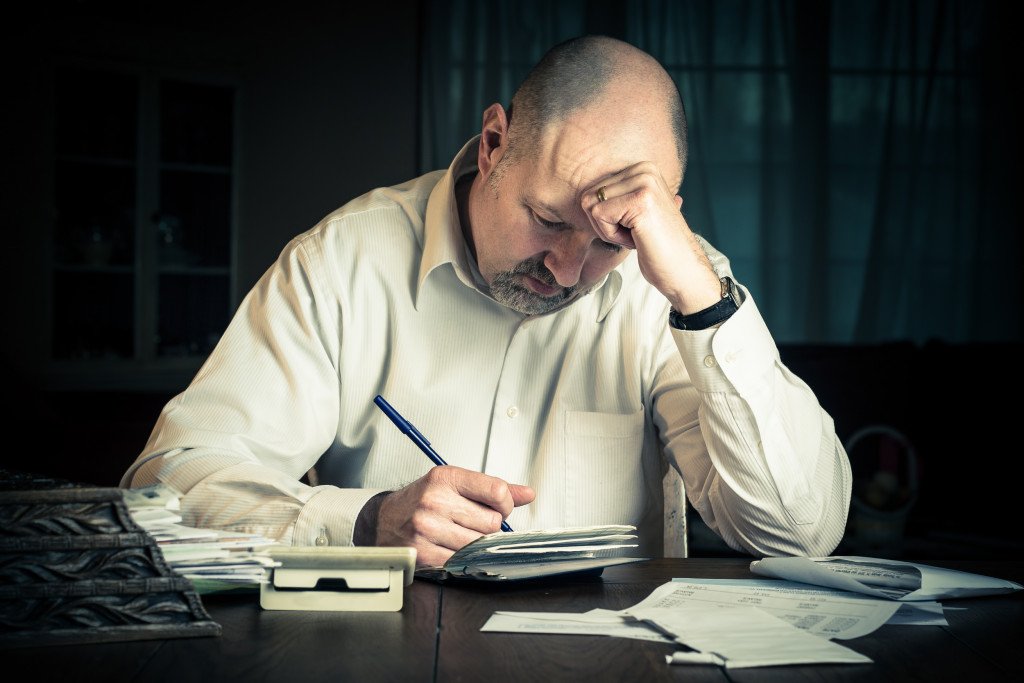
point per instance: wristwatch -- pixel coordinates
(710, 316)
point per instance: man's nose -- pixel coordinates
(566, 258)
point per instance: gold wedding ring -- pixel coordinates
(600, 194)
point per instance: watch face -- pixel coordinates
(729, 289)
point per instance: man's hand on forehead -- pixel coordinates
(638, 209)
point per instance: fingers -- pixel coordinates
(487, 492)
(629, 201)
(522, 495)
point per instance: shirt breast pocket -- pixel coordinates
(604, 476)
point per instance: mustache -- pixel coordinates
(536, 269)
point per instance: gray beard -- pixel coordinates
(508, 291)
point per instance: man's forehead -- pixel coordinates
(558, 196)
(587, 149)
(557, 188)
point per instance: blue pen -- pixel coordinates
(421, 441)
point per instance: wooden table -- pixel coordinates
(436, 637)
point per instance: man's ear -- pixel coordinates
(493, 139)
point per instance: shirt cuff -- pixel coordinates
(732, 357)
(329, 517)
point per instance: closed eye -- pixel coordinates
(561, 225)
(553, 225)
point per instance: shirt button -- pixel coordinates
(512, 411)
(732, 356)
(321, 540)
(710, 362)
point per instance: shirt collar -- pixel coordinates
(444, 242)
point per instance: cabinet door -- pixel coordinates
(142, 253)
(193, 222)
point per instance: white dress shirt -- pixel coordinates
(586, 404)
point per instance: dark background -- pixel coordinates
(329, 108)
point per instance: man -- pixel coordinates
(545, 316)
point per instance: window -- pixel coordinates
(855, 159)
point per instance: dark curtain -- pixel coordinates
(858, 161)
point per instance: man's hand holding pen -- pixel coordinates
(444, 510)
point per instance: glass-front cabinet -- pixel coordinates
(144, 196)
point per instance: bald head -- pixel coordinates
(577, 75)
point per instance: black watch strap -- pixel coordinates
(710, 316)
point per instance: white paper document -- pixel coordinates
(919, 613)
(805, 599)
(822, 613)
(598, 622)
(743, 637)
(881, 578)
(783, 623)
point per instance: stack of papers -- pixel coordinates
(213, 559)
(511, 556)
(736, 624)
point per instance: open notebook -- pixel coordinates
(519, 555)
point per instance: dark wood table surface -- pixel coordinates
(436, 637)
